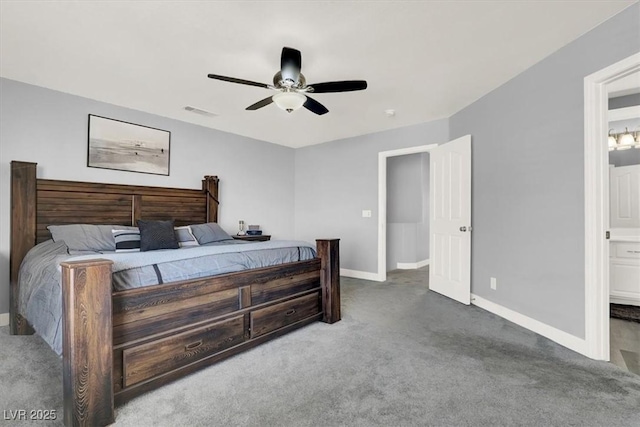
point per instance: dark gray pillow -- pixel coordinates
(209, 233)
(156, 235)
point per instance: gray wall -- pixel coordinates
(624, 157)
(624, 101)
(404, 188)
(50, 128)
(407, 209)
(528, 178)
(619, 126)
(336, 180)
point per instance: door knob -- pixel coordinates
(463, 229)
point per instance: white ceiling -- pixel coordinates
(424, 59)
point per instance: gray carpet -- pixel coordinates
(401, 356)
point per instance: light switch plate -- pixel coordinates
(366, 214)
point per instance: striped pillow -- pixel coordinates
(127, 240)
(185, 236)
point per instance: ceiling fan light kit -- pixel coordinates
(292, 86)
(289, 101)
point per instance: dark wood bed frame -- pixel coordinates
(117, 345)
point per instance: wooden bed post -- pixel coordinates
(210, 186)
(23, 234)
(329, 254)
(87, 343)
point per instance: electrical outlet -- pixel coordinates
(494, 286)
(366, 214)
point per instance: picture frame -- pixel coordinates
(119, 145)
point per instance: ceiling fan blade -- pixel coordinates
(240, 81)
(260, 104)
(290, 63)
(314, 106)
(343, 86)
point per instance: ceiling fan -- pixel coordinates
(292, 86)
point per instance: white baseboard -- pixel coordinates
(412, 265)
(619, 299)
(572, 342)
(356, 274)
(4, 319)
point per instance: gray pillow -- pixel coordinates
(85, 237)
(155, 235)
(209, 233)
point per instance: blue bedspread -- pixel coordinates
(40, 299)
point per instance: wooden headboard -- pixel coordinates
(38, 203)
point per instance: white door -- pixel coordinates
(450, 220)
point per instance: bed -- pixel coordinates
(117, 344)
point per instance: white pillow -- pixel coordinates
(127, 240)
(185, 236)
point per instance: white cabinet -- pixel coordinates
(625, 273)
(624, 193)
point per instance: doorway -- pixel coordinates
(597, 286)
(407, 212)
(382, 201)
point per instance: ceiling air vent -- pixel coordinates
(200, 111)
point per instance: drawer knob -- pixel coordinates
(192, 346)
(290, 312)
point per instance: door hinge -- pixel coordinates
(607, 235)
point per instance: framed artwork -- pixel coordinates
(114, 144)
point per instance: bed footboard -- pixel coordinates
(119, 345)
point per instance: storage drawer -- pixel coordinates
(625, 278)
(628, 250)
(148, 360)
(271, 318)
(284, 287)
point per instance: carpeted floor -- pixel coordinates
(401, 356)
(625, 345)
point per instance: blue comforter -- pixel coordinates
(40, 299)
